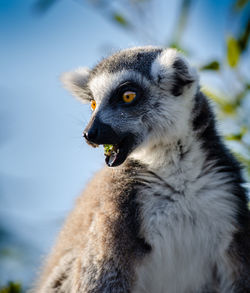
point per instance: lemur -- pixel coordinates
(168, 214)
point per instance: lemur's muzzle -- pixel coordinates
(97, 133)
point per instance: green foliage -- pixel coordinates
(239, 4)
(245, 161)
(244, 37)
(108, 147)
(120, 19)
(226, 107)
(233, 51)
(237, 136)
(176, 45)
(213, 65)
(11, 288)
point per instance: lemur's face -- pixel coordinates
(138, 96)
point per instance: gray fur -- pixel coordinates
(173, 217)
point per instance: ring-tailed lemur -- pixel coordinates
(172, 216)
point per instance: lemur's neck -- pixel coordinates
(183, 147)
(180, 157)
(199, 148)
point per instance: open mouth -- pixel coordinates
(116, 148)
(116, 154)
(110, 151)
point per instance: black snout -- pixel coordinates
(100, 133)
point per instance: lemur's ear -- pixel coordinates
(173, 73)
(76, 82)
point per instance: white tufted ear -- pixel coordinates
(76, 82)
(172, 71)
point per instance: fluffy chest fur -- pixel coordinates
(188, 219)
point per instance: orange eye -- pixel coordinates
(128, 96)
(93, 105)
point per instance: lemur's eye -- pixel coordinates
(93, 105)
(128, 96)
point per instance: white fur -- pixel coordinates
(163, 63)
(103, 84)
(190, 235)
(162, 71)
(75, 81)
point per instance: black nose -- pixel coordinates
(100, 133)
(85, 135)
(91, 131)
(90, 135)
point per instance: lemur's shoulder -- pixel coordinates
(104, 214)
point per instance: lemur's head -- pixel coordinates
(139, 96)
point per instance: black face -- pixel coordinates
(118, 97)
(128, 94)
(100, 133)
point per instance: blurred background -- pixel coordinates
(45, 163)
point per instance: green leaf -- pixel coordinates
(239, 4)
(225, 106)
(233, 52)
(11, 288)
(177, 46)
(120, 19)
(245, 161)
(244, 37)
(108, 148)
(237, 136)
(214, 65)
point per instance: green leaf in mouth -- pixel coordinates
(108, 149)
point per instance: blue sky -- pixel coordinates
(44, 162)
